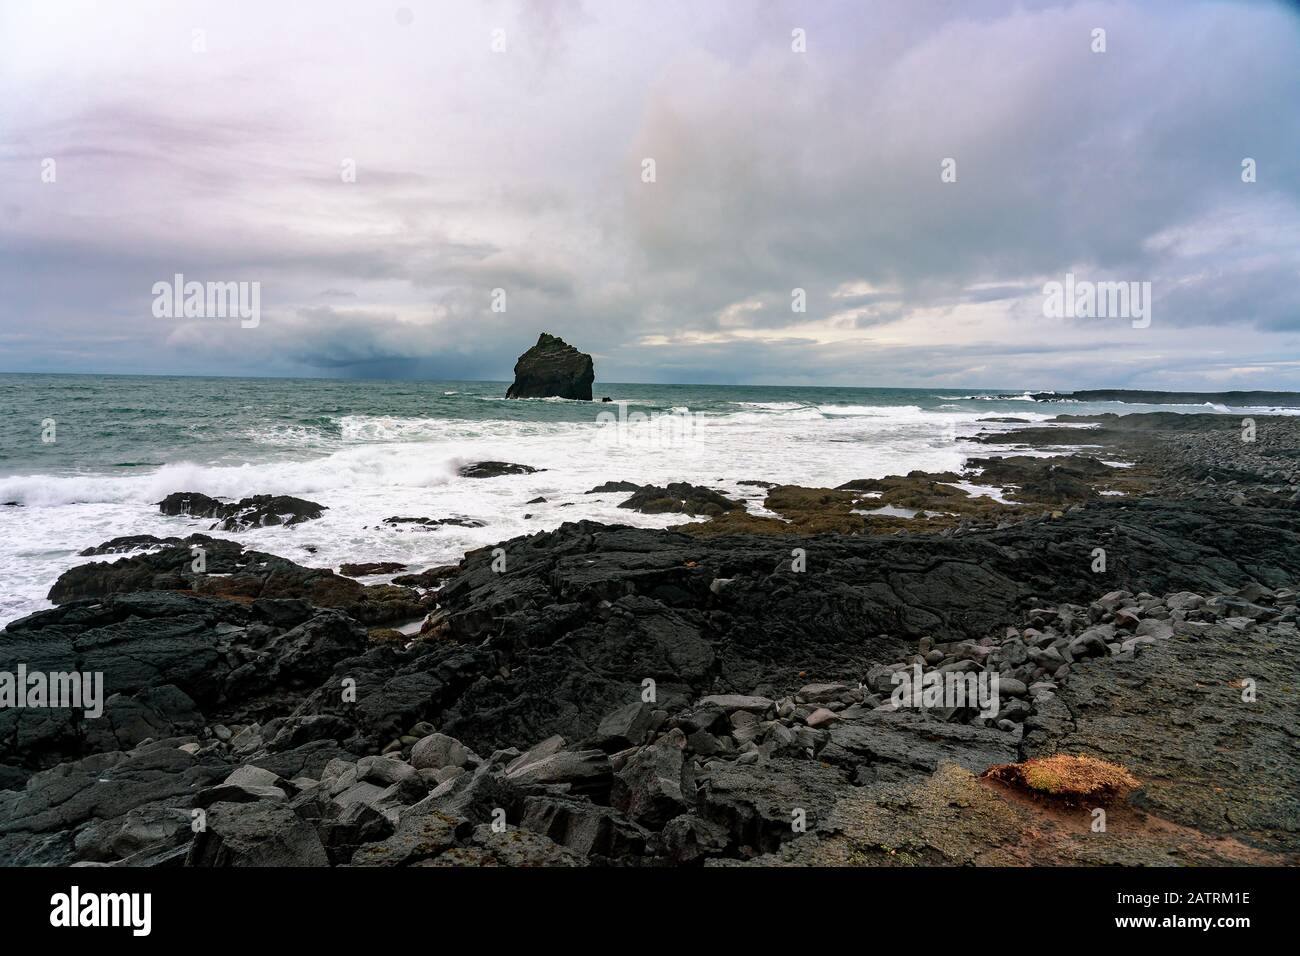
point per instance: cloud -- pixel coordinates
(776, 171)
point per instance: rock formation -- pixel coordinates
(254, 512)
(553, 369)
(522, 697)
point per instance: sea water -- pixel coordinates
(372, 449)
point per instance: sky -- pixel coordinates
(420, 188)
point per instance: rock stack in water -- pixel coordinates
(553, 369)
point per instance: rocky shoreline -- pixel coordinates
(720, 693)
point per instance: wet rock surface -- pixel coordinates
(679, 497)
(253, 512)
(368, 568)
(132, 542)
(230, 571)
(428, 578)
(434, 523)
(171, 664)
(494, 469)
(604, 695)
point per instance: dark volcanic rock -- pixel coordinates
(585, 613)
(131, 542)
(614, 486)
(553, 369)
(690, 700)
(680, 498)
(251, 512)
(649, 789)
(256, 834)
(755, 805)
(1060, 480)
(39, 822)
(1231, 748)
(431, 578)
(424, 831)
(900, 744)
(371, 567)
(595, 832)
(170, 663)
(230, 571)
(435, 522)
(495, 469)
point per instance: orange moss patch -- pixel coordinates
(1067, 778)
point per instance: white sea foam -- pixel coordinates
(873, 411)
(377, 466)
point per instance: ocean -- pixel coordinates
(373, 449)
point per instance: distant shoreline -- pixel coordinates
(1142, 396)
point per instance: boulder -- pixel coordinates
(437, 751)
(459, 522)
(370, 567)
(129, 542)
(583, 770)
(514, 847)
(733, 702)
(252, 512)
(230, 571)
(423, 832)
(431, 578)
(612, 486)
(384, 771)
(906, 742)
(687, 838)
(343, 829)
(474, 796)
(625, 727)
(649, 788)
(494, 469)
(680, 497)
(756, 804)
(591, 831)
(256, 834)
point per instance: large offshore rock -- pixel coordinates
(553, 369)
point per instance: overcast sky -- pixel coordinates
(220, 155)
